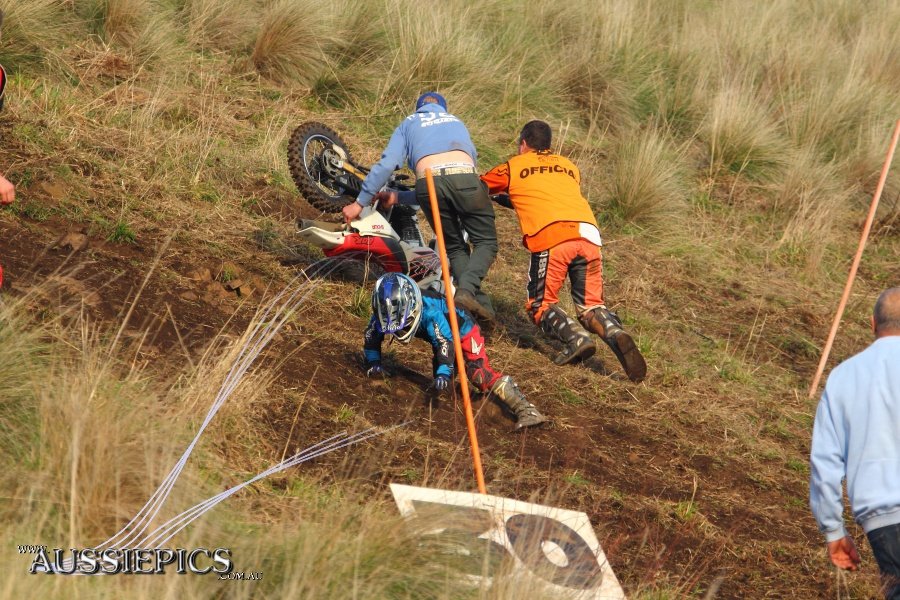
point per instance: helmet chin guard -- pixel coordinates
(397, 305)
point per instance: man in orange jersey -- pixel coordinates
(561, 232)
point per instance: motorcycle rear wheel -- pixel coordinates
(325, 187)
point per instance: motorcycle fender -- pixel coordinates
(372, 222)
(322, 235)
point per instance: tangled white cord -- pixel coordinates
(271, 320)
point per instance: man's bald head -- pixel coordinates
(886, 316)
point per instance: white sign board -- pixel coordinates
(554, 549)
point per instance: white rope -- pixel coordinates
(165, 532)
(272, 318)
(246, 357)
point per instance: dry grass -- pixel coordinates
(124, 20)
(602, 63)
(646, 186)
(294, 41)
(29, 29)
(22, 352)
(437, 49)
(812, 192)
(86, 450)
(142, 27)
(85, 453)
(219, 24)
(739, 135)
(354, 68)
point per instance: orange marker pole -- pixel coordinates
(862, 244)
(454, 327)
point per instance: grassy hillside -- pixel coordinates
(729, 150)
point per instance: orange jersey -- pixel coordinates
(545, 192)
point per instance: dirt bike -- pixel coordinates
(328, 177)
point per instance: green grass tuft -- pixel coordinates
(122, 233)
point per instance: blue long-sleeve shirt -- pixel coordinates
(434, 327)
(856, 435)
(430, 130)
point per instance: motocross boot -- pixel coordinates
(506, 390)
(607, 325)
(558, 324)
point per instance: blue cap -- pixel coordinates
(431, 98)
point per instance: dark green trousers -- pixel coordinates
(464, 204)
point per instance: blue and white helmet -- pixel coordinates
(397, 305)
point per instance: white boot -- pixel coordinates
(509, 393)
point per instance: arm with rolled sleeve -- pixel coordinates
(827, 471)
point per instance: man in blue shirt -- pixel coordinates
(432, 138)
(856, 436)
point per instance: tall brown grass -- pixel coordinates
(430, 50)
(29, 30)
(142, 27)
(294, 41)
(739, 135)
(219, 24)
(816, 200)
(646, 186)
(124, 20)
(733, 95)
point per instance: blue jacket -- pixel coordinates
(434, 327)
(856, 436)
(427, 131)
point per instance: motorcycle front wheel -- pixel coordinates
(315, 153)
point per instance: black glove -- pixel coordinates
(375, 370)
(441, 383)
(503, 200)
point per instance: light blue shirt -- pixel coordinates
(430, 130)
(856, 436)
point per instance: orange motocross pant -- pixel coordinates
(581, 260)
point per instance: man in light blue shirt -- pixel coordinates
(432, 138)
(856, 436)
